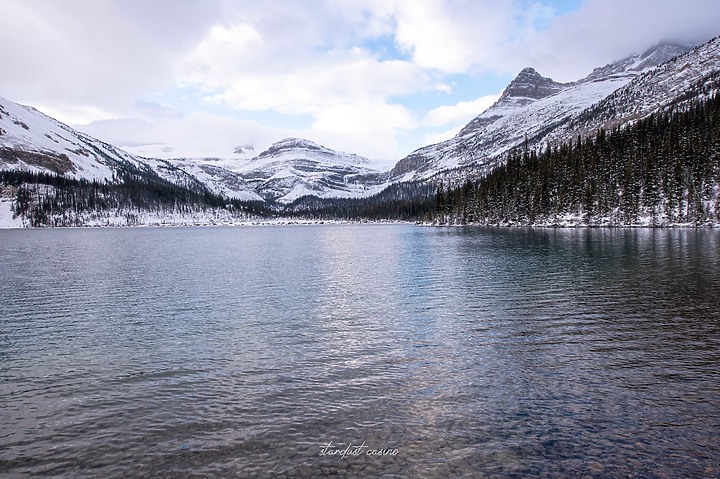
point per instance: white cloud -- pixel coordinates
(461, 112)
(74, 113)
(224, 53)
(433, 138)
(101, 54)
(605, 30)
(449, 39)
(348, 93)
(333, 78)
(369, 129)
(194, 134)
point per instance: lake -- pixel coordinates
(359, 351)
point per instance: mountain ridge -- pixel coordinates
(516, 116)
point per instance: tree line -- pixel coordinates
(49, 199)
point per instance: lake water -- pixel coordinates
(359, 351)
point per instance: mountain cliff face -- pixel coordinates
(529, 86)
(532, 106)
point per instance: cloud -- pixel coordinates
(347, 127)
(224, 51)
(193, 134)
(73, 113)
(332, 78)
(369, 129)
(351, 94)
(94, 54)
(459, 36)
(461, 112)
(433, 138)
(602, 31)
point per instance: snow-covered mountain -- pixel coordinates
(31, 140)
(287, 170)
(682, 79)
(294, 167)
(532, 106)
(213, 177)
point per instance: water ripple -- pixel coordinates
(233, 352)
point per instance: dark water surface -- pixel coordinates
(258, 352)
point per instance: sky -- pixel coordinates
(379, 78)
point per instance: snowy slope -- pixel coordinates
(30, 140)
(531, 107)
(215, 178)
(682, 79)
(33, 141)
(289, 169)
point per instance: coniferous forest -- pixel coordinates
(659, 171)
(412, 201)
(48, 199)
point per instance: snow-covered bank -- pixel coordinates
(573, 221)
(7, 216)
(119, 218)
(134, 218)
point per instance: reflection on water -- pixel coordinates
(241, 352)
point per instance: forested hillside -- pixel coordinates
(411, 201)
(46, 199)
(659, 171)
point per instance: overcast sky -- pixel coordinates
(374, 77)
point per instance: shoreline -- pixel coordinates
(254, 223)
(300, 222)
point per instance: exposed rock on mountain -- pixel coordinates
(528, 86)
(32, 141)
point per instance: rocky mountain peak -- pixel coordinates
(528, 86)
(292, 144)
(299, 149)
